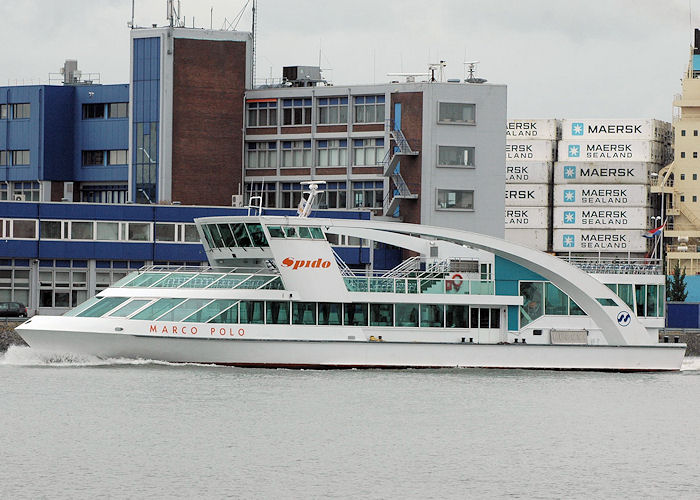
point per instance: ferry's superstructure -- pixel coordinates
(277, 295)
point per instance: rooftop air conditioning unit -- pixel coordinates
(237, 200)
(19, 197)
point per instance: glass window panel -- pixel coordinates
(484, 316)
(165, 232)
(381, 314)
(574, 309)
(406, 314)
(495, 318)
(252, 311)
(104, 305)
(257, 235)
(50, 229)
(303, 313)
(640, 294)
(184, 309)
(226, 235)
(202, 280)
(277, 312)
(144, 280)
(457, 316)
(191, 234)
(241, 235)
(431, 315)
(139, 231)
(275, 231)
(533, 307)
(81, 231)
(652, 298)
(329, 313)
(158, 308)
(174, 280)
(217, 242)
(229, 315)
(82, 307)
(625, 292)
(130, 307)
(355, 314)
(211, 311)
(556, 301)
(304, 232)
(108, 231)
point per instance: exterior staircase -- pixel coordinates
(398, 189)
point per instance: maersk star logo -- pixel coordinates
(568, 240)
(574, 151)
(577, 128)
(569, 172)
(569, 217)
(569, 196)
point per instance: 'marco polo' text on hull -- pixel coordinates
(277, 295)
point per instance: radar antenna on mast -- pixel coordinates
(470, 68)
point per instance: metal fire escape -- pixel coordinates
(400, 190)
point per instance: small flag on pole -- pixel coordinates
(654, 232)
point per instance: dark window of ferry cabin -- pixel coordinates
(457, 316)
(207, 235)
(93, 110)
(304, 313)
(226, 235)
(381, 315)
(277, 313)
(495, 318)
(241, 235)
(406, 314)
(257, 235)
(215, 236)
(432, 315)
(640, 295)
(329, 313)
(252, 311)
(355, 314)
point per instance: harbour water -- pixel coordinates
(88, 428)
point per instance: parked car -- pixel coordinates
(12, 310)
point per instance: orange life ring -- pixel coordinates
(454, 282)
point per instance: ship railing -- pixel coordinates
(610, 265)
(168, 268)
(420, 285)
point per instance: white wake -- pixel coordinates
(690, 363)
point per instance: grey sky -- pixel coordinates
(573, 58)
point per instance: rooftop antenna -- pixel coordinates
(470, 67)
(173, 13)
(131, 24)
(433, 67)
(254, 36)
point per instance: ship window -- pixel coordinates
(406, 314)
(174, 280)
(640, 295)
(329, 313)
(574, 309)
(228, 314)
(303, 313)
(484, 317)
(130, 307)
(226, 235)
(252, 311)
(207, 236)
(184, 309)
(457, 316)
(652, 297)
(432, 315)
(606, 302)
(532, 308)
(145, 279)
(556, 302)
(88, 303)
(217, 241)
(381, 315)
(241, 235)
(316, 233)
(101, 307)
(495, 318)
(229, 281)
(275, 231)
(625, 292)
(202, 280)
(277, 313)
(257, 235)
(255, 282)
(203, 314)
(157, 308)
(275, 284)
(304, 232)
(355, 314)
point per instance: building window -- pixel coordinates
(14, 283)
(695, 198)
(296, 153)
(108, 272)
(93, 110)
(118, 110)
(682, 177)
(682, 154)
(20, 111)
(455, 156)
(451, 199)
(110, 193)
(291, 195)
(695, 177)
(139, 231)
(28, 191)
(93, 158)
(62, 283)
(682, 198)
(367, 151)
(20, 157)
(332, 110)
(683, 133)
(266, 190)
(262, 113)
(296, 111)
(369, 109)
(117, 157)
(335, 195)
(695, 154)
(50, 229)
(368, 194)
(695, 133)
(3, 158)
(332, 153)
(455, 112)
(3, 111)
(262, 155)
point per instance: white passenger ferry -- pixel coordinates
(277, 295)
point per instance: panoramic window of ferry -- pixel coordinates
(304, 232)
(277, 313)
(626, 293)
(406, 314)
(241, 235)
(329, 313)
(640, 295)
(355, 314)
(275, 231)
(381, 315)
(228, 314)
(157, 309)
(290, 232)
(574, 309)
(257, 235)
(252, 311)
(555, 301)
(304, 313)
(317, 233)
(207, 236)
(457, 113)
(210, 310)
(103, 306)
(457, 316)
(184, 309)
(532, 293)
(432, 315)
(227, 235)
(652, 300)
(216, 241)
